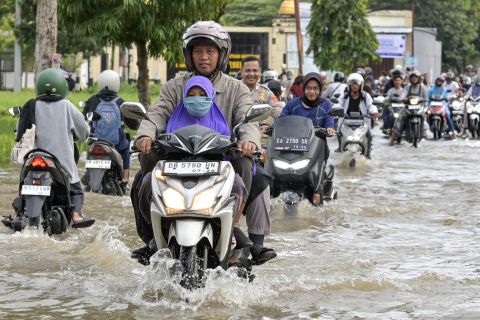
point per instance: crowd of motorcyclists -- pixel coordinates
(209, 97)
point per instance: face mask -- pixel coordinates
(198, 106)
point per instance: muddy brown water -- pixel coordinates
(401, 242)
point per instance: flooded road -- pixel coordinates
(401, 242)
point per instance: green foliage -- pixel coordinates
(457, 26)
(340, 35)
(159, 23)
(7, 19)
(258, 13)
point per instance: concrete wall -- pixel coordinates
(428, 51)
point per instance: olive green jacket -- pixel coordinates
(232, 96)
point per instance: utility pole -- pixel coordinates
(299, 37)
(413, 27)
(17, 66)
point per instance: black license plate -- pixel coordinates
(291, 144)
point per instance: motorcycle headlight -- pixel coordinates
(395, 115)
(173, 199)
(204, 200)
(456, 105)
(295, 166)
(477, 108)
(414, 101)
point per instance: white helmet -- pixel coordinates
(355, 78)
(110, 80)
(476, 79)
(269, 75)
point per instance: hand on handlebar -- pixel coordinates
(330, 132)
(247, 148)
(144, 144)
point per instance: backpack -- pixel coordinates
(108, 127)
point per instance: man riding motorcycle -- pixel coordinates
(206, 49)
(439, 90)
(337, 87)
(414, 88)
(357, 100)
(109, 86)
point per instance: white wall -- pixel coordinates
(428, 51)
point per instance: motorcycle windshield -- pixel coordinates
(293, 126)
(197, 139)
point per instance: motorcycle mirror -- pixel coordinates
(337, 95)
(258, 112)
(81, 104)
(134, 110)
(15, 111)
(333, 100)
(337, 112)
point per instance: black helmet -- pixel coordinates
(312, 76)
(210, 32)
(275, 87)
(360, 71)
(339, 77)
(368, 70)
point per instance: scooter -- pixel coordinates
(473, 112)
(104, 167)
(457, 112)
(391, 111)
(415, 110)
(192, 207)
(353, 136)
(296, 160)
(104, 164)
(44, 193)
(437, 117)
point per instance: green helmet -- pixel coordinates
(51, 82)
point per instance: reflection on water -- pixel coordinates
(401, 242)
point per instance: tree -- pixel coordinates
(340, 35)
(154, 26)
(46, 33)
(257, 13)
(456, 23)
(7, 19)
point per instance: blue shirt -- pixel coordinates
(437, 92)
(319, 114)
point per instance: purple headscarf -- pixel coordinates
(214, 119)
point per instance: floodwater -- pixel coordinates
(401, 242)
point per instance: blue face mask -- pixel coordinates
(198, 106)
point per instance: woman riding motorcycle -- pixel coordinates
(439, 91)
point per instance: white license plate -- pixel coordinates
(98, 164)
(414, 107)
(28, 189)
(398, 105)
(191, 168)
(457, 112)
(436, 103)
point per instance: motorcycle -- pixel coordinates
(436, 116)
(391, 111)
(415, 110)
(103, 164)
(457, 112)
(191, 207)
(353, 136)
(473, 112)
(296, 160)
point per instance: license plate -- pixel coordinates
(436, 103)
(35, 190)
(191, 168)
(398, 105)
(414, 107)
(457, 112)
(291, 144)
(98, 164)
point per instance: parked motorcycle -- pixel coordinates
(192, 208)
(296, 160)
(437, 117)
(473, 112)
(353, 136)
(415, 110)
